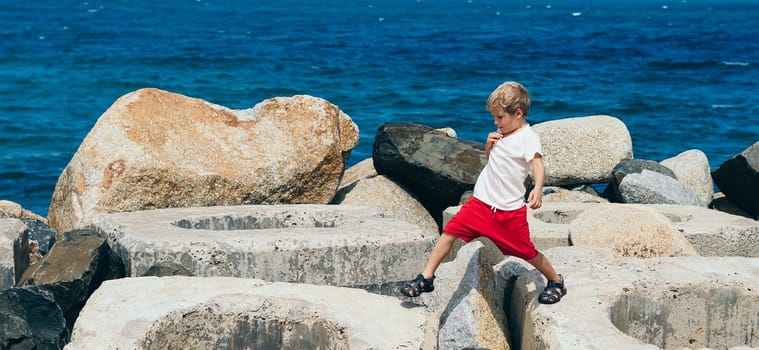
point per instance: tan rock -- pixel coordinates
(692, 169)
(381, 193)
(583, 149)
(13, 210)
(563, 195)
(361, 170)
(156, 149)
(630, 231)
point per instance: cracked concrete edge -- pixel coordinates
(118, 317)
(595, 281)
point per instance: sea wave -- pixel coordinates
(735, 63)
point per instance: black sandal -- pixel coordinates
(418, 286)
(553, 292)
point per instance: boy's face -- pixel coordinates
(508, 122)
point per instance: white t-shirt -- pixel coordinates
(501, 182)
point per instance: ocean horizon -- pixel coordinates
(681, 75)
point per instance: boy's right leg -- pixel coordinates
(555, 288)
(441, 249)
(424, 281)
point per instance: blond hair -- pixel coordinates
(509, 96)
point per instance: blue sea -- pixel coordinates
(680, 74)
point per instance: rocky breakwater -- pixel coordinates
(631, 236)
(155, 149)
(635, 228)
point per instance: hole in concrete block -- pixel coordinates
(280, 220)
(690, 316)
(557, 216)
(207, 329)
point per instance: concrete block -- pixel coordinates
(335, 245)
(711, 232)
(632, 303)
(180, 312)
(14, 251)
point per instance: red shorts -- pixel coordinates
(508, 229)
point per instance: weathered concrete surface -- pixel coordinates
(14, 251)
(222, 312)
(319, 244)
(632, 303)
(466, 306)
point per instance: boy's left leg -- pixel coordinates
(555, 288)
(439, 251)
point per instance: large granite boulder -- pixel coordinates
(721, 203)
(31, 319)
(433, 166)
(583, 149)
(631, 166)
(73, 269)
(361, 170)
(580, 194)
(650, 187)
(692, 169)
(381, 193)
(13, 210)
(155, 149)
(629, 230)
(738, 179)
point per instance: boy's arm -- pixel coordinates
(535, 199)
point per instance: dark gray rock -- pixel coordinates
(31, 319)
(650, 187)
(631, 166)
(721, 203)
(738, 179)
(74, 268)
(433, 166)
(42, 234)
(167, 268)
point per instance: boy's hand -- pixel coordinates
(493, 137)
(535, 199)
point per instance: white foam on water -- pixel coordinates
(735, 63)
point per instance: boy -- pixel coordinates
(497, 209)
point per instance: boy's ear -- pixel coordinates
(519, 113)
